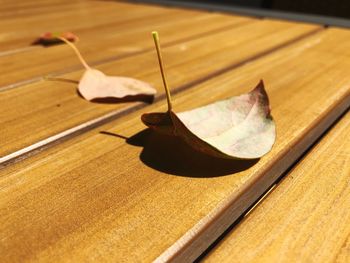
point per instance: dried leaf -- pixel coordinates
(240, 127)
(50, 38)
(96, 85)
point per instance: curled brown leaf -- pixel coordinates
(240, 127)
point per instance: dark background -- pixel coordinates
(335, 8)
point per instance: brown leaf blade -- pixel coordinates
(240, 127)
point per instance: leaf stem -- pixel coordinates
(77, 52)
(160, 60)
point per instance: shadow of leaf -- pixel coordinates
(111, 100)
(169, 154)
(46, 43)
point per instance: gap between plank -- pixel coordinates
(269, 190)
(212, 226)
(19, 50)
(120, 57)
(89, 125)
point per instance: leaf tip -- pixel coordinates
(260, 92)
(260, 87)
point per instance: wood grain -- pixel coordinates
(100, 198)
(60, 107)
(12, 9)
(110, 42)
(306, 218)
(29, 7)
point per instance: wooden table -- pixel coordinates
(85, 182)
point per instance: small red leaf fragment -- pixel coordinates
(50, 38)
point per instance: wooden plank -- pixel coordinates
(97, 197)
(8, 5)
(14, 9)
(306, 218)
(189, 62)
(20, 8)
(114, 41)
(18, 32)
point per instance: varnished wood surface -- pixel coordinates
(59, 107)
(306, 218)
(117, 193)
(111, 42)
(13, 9)
(98, 197)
